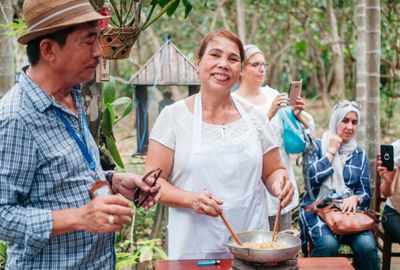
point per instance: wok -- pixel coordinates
(287, 237)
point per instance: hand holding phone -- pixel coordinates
(294, 92)
(387, 156)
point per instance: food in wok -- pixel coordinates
(265, 245)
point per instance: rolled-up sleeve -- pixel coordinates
(21, 225)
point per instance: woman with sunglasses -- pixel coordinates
(269, 101)
(339, 170)
(390, 188)
(217, 156)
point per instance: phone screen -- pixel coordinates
(295, 90)
(387, 156)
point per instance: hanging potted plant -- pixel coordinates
(125, 24)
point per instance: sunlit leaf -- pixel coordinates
(107, 120)
(109, 91)
(112, 148)
(121, 101)
(146, 254)
(126, 112)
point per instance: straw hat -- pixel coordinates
(49, 16)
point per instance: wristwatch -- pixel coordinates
(109, 175)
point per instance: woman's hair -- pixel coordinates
(220, 33)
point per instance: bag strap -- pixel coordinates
(285, 118)
(314, 206)
(376, 216)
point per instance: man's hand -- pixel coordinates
(126, 183)
(105, 214)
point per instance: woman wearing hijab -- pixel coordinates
(390, 188)
(340, 169)
(216, 156)
(268, 101)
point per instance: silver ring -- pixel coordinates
(111, 219)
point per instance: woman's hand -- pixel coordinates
(298, 108)
(334, 143)
(280, 101)
(284, 191)
(349, 205)
(204, 203)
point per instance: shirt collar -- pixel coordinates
(40, 99)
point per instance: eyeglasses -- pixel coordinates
(346, 103)
(137, 195)
(258, 65)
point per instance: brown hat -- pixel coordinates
(49, 16)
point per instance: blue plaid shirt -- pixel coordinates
(42, 169)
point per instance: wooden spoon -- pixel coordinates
(278, 217)
(230, 229)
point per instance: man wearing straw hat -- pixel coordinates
(56, 210)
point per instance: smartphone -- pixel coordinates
(387, 156)
(294, 92)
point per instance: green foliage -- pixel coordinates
(132, 244)
(146, 251)
(3, 254)
(125, 12)
(15, 29)
(109, 118)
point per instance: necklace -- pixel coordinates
(221, 126)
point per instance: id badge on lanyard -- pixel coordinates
(100, 187)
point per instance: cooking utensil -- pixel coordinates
(278, 216)
(230, 229)
(288, 238)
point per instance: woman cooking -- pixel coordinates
(216, 156)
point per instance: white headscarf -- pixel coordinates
(335, 182)
(250, 50)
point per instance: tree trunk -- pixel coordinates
(7, 69)
(241, 22)
(93, 100)
(361, 87)
(373, 59)
(337, 87)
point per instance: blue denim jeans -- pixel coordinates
(362, 244)
(391, 225)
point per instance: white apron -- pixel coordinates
(231, 173)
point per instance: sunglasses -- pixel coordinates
(137, 201)
(347, 103)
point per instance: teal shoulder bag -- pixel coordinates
(293, 132)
